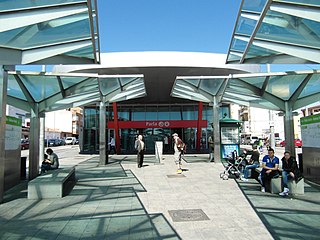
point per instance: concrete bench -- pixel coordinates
(275, 185)
(53, 184)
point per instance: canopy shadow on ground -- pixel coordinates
(292, 217)
(103, 204)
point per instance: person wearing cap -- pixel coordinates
(178, 150)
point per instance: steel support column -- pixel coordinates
(200, 108)
(216, 130)
(42, 137)
(3, 101)
(103, 152)
(34, 148)
(289, 129)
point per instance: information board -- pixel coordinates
(13, 133)
(229, 135)
(310, 131)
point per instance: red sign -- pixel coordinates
(160, 124)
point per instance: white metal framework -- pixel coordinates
(264, 90)
(276, 31)
(49, 32)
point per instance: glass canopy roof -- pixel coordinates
(48, 92)
(264, 90)
(48, 32)
(276, 31)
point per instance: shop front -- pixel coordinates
(154, 123)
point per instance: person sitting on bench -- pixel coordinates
(270, 166)
(253, 163)
(51, 163)
(290, 170)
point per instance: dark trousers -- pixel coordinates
(140, 157)
(267, 177)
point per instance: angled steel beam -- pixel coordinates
(19, 103)
(265, 84)
(268, 96)
(222, 89)
(308, 12)
(298, 91)
(234, 29)
(302, 102)
(63, 92)
(256, 28)
(23, 19)
(40, 53)
(24, 90)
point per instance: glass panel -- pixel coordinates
(13, 89)
(233, 57)
(224, 112)
(255, 51)
(41, 87)
(34, 36)
(124, 113)
(236, 86)
(82, 52)
(71, 81)
(312, 87)
(245, 26)
(16, 4)
(189, 113)
(126, 80)
(211, 85)
(91, 118)
(306, 2)
(207, 114)
(238, 45)
(284, 86)
(256, 81)
(289, 29)
(175, 113)
(163, 113)
(138, 114)
(151, 113)
(253, 6)
(194, 82)
(190, 138)
(108, 85)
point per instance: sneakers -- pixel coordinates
(244, 179)
(263, 189)
(285, 192)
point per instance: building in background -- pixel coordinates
(58, 124)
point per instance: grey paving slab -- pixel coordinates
(121, 201)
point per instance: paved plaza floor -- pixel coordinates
(122, 201)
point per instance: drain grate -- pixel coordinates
(188, 215)
(176, 176)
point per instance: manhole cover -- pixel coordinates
(188, 215)
(176, 176)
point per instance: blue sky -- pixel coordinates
(167, 25)
(171, 25)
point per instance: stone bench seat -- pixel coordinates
(53, 184)
(276, 185)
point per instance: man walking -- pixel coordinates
(140, 147)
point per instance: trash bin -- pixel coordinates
(23, 168)
(300, 162)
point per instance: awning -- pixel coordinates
(263, 90)
(49, 32)
(276, 31)
(52, 91)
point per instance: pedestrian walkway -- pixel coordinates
(122, 201)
